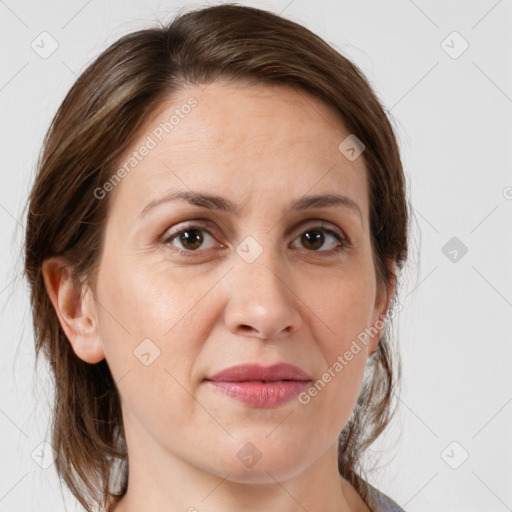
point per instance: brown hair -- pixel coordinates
(99, 119)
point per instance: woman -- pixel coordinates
(213, 241)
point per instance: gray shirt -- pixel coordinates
(379, 502)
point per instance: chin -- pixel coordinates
(260, 463)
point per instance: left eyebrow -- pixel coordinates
(215, 202)
(320, 201)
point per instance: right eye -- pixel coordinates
(191, 238)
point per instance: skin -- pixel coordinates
(261, 147)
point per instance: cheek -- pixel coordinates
(342, 307)
(146, 301)
(147, 315)
(153, 332)
(341, 312)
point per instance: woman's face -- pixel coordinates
(187, 290)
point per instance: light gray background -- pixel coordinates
(453, 117)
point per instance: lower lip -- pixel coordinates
(261, 394)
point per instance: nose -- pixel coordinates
(262, 302)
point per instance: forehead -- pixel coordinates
(249, 142)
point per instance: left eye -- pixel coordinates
(315, 238)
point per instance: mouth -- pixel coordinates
(259, 386)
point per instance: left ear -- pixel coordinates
(382, 303)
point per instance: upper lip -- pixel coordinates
(247, 372)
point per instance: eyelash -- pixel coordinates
(344, 243)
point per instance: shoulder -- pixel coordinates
(379, 502)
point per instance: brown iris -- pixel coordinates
(193, 237)
(316, 239)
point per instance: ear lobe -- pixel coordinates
(75, 309)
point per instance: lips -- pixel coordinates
(258, 373)
(260, 386)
